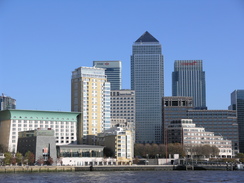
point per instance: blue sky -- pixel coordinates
(43, 41)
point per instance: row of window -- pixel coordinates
(42, 118)
(122, 101)
(122, 104)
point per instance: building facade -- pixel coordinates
(113, 71)
(120, 142)
(237, 104)
(90, 95)
(175, 108)
(221, 122)
(41, 142)
(184, 131)
(14, 121)
(123, 109)
(188, 79)
(7, 103)
(81, 155)
(147, 80)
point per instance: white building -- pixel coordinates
(120, 142)
(184, 131)
(13, 121)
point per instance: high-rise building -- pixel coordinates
(237, 104)
(188, 79)
(221, 122)
(7, 103)
(123, 110)
(112, 71)
(90, 95)
(147, 79)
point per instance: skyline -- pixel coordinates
(42, 42)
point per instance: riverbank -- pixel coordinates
(29, 169)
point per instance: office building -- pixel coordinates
(221, 122)
(237, 104)
(147, 80)
(12, 122)
(7, 103)
(188, 79)
(184, 131)
(90, 95)
(113, 71)
(41, 142)
(175, 108)
(123, 109)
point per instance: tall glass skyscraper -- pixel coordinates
(112, 71)
(188, 80)
(7, 103)
(237, 103)
(147, 79)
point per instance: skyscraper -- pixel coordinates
(112, 71)
(147, 79)
(90, 95)
(7, 103)
(237, 104)
(188, 79)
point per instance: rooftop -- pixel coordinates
(146, 37)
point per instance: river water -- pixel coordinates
(125, 177)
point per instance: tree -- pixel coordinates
(147, 150)
(154, 150)
(176, 148)
(108, 152)
(162, 150)
(29, 158)
(40, 160)
(241, 157)
(49, 161)
(138, 150)
(7, 158)
(214, 151)
(13, 160)
(19, 158)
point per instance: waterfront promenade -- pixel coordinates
(16, 169)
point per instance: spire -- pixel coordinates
(146, 37)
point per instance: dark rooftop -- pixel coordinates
(146, 37)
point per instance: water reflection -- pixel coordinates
(128, 177)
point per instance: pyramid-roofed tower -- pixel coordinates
(146, 37)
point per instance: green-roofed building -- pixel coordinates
(65, 125)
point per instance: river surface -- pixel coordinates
(125, 177)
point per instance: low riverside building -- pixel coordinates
(222, 122)
(120, 142)
(41, 142)
(82, 155)
(184, 131)
(64, 125)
